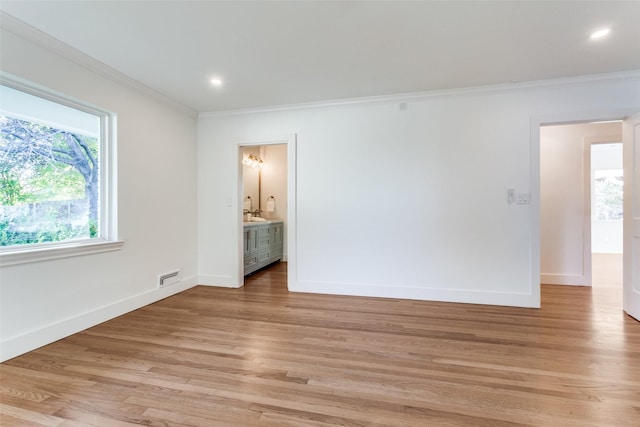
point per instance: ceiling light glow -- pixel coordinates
(600, 33)
(216, 81)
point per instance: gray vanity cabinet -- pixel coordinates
(262, 245)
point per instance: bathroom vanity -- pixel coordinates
(262, 244)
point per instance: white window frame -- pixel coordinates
(108, 237)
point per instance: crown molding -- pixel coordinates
(44, 40)
(416, 96)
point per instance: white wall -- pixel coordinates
(402, 203)
(565, 188)
(156, 172)
(274, 180)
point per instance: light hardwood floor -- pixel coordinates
(260, 356)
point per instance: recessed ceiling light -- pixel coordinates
(600, 33)
(216, 81)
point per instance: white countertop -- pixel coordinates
(266, 222)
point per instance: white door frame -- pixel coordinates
(536, 123)
(290, 140)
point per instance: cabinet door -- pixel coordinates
(250, 241)
(276, 235)
(275, 251)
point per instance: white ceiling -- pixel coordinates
(287, 52)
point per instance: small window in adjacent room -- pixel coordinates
(54, 170)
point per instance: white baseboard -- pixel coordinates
(20, 344)
(511, 299)
(14, 346)
(218, 280)
(565, 279)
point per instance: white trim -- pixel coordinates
(416, 96)
(44, 40)
(20, 344)
(292, 212)
(565, 279)
(109, 179)
(580, 117)
(44, 92)
(217, 280)
(45, 252)
(511, 299)
(534, 236)
(586, 213)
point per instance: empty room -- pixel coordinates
(319, 213)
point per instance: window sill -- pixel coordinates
(61, 250)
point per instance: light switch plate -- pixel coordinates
(522, 198)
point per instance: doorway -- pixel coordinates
(581, 204)
(266, 194)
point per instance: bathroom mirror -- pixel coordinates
(266, 186)
(251, 179)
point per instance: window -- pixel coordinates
(607, 185)
(55, 187)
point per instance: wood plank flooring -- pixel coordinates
(260, 356)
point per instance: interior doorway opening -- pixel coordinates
(266, 208)
(581, 204)
(630, 123)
